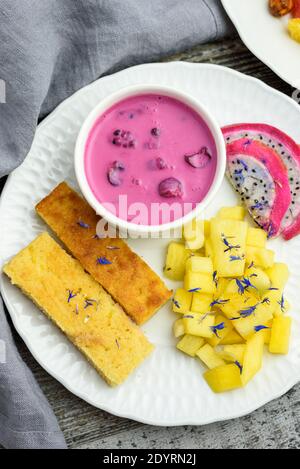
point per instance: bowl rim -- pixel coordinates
(114, 98)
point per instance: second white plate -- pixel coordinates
(267, 37)
(168, 389)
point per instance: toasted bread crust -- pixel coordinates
(80, 307)
(129, 280)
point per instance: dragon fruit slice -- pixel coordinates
(260, 178)
(289, 153)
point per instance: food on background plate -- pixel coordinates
(154, 149)
(121, 272)
(80, 307)
(296, 9)
(280, 8)
(263, 166)
(232, 301)
(294, 28)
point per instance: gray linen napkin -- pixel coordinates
(48, 50)
(26, 419)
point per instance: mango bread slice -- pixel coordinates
(80, 307)
(111, 262)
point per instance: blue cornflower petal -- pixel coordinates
(82, 224)
(71, 295)
(103, 261)
(239, 366)
(260, 328)
(218, 327)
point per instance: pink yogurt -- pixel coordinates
(148, 150)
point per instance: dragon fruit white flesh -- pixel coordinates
(288, 152)
(260, 178)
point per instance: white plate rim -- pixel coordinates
(290, 384)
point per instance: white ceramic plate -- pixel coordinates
(168, 388)
(267, 37)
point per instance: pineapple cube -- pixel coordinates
(193, 234)
(229, 244)
(208, 248)
(283, 307)
(236, 302)
(294, 28)
(245, 326)
(190, 344)
(206, 228)
(263, 315)
(261, 257)
(233, 287)
(200, 325)
(203, 265)
(195, 281)
(182, 301)
(259, 279)
(267, 332)
(256, 238)
(232, 213)
(222, 284)
(224, 378)
(232, 353)
(226, 327)
(209, 357)
(232, 338)
(194, 244)
(175, 262)
(249, 311)
(201, 303)
(253, 357)
(200, 252)
(192, 229)
(278, 305)
(278, 275)
(178, 328)
(280, 335)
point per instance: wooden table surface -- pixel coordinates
(277, 425)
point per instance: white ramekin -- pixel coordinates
(103, 106)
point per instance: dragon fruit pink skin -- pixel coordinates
(289, 152)
(260, 178)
